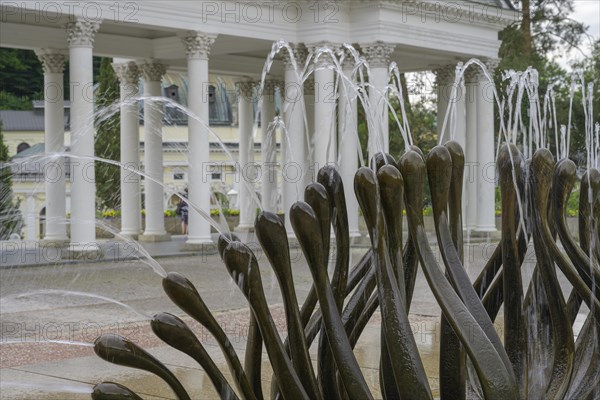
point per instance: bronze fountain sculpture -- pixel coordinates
(534, 196)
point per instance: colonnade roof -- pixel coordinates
(426, 33)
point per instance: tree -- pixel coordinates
(590, 69)
(22, 78)
(11, 220)
(546, 29)
(21, 73)
(10, 101)
(108, 142)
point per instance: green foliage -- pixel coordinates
(107, 141)
(573, 202)
(21, 73)
(421, 120)
(110, 213)
(22, 78)
(11, 220)
(363, 132)
(228, 212)
(498, 201)
(552, 32)
(10, 101)
(550, 28)
(221, 199)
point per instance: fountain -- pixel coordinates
(475, 359)
(502, 368)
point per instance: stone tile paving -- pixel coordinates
(41, 303)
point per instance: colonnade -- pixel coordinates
(473, 123)
(80, 40)
(311, 135)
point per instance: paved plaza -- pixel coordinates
(75, 302)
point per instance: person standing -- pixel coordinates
(183, 211)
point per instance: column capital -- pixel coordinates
(197, 44)
(300, 53)
(445, 74)
(491, 64)
(378, 53)
(82, 32)
(347, 58)
(246, 88)
(319, 50)
(53, 60)
(270, 85)
(472, 73)
(153, 71)
(128, 73)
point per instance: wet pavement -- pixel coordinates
(75, 302)
(18, 253)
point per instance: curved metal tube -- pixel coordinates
(253, 355)
(317, 197)
(496, 381)
(272, 237)
(510, 161)
(174, 332)
(453, 361)
(184, 294)
(542, 165)
(113, 391)
(242, 266)
(408, 371)
(306, 227)
(121, 351)
(563, 180)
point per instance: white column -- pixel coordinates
(442, 77)
(378, 56)
(129, 75)
(325, 135)
(268, 148)
(460, 124)
(460, 133)
(470, 186)
(485, 153)
(348, 142)
(246, 169)
(456, 123)
(80, 36)
(53, 62)
(32, 222)
(293, 142)
(152, 73)
(310, 166)
(197, 47)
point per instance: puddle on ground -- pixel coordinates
(425, 328)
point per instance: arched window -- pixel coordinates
(22, 147)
